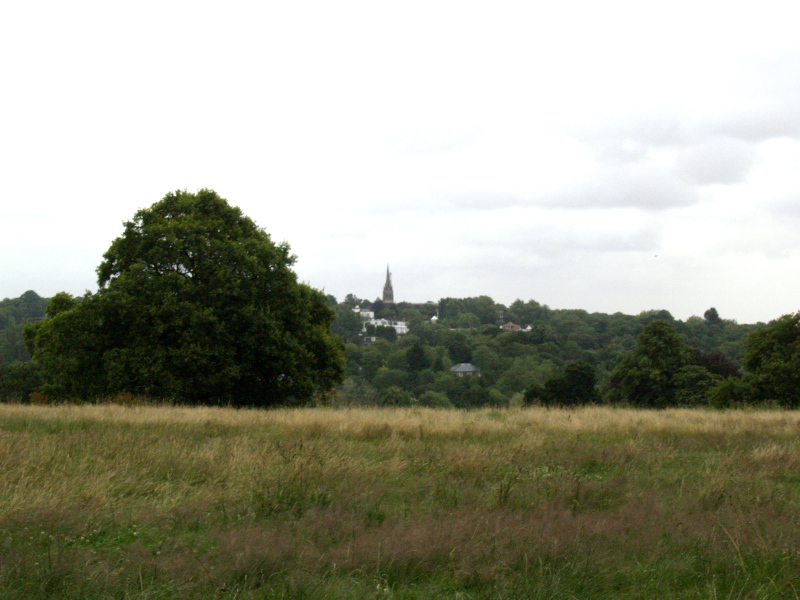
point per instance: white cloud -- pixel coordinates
(518, 150)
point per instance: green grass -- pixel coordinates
(145, 503)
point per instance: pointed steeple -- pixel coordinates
(388, 292)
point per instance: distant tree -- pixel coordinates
(347, 324)
(692, 385)
(533, 394)
(15, 313)
(523, 372)
(649, 316)
(435, 400)
(484, 309)
(416, 358)
(18, 380)
(467, 320)
(489, 362)
(395, 396)
(371, 361)
(356, 392)
(352, 300)
(196, 303)
(440, 360)
(647, 376)
(711, 316)
(717, 364)
(458, 346)
(772, 361)
(386, 378)
(69, 346)
(450, 308)
(575, 386)
(382, 331)
(526, 313)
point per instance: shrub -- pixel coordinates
(435, 400)
(18, 380)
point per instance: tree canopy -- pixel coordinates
(773, 362)
(195, 303)
(653, 373)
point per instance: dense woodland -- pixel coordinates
(567, 356)
(519, 366)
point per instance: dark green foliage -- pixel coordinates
(347, 324)
(387, 378)
(385, 332)
(649, 375)
(712, 316)
(717, 364)
(15, 313)
(732, 391)
(195, 302)
(395, 396)
(416, 358)
(575, 386)
(18, 380)
(512, 362)
(773, 362)
(68, 346)
(692, 385)
(458, 346)
(435, 400)
(471, 312)
(525, 313)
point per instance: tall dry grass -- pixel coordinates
(146, 502)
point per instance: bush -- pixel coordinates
(356, 392)
(728, 392)
(576, 386)
(18, 380)
(435, 400)
(395, 396)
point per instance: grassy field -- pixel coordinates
(166, 502)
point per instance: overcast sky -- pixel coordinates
(610, 156)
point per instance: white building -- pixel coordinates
(401, 327)
(368, 318)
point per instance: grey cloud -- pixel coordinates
(550, 240)
(626, 187)
(787, 208)
(761, 123)
(631, 142)
(556, 244)
(723, 161)
(629, 189)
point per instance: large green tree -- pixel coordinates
(772, 361)
(198, 304)
(654, 373)
(575, 386)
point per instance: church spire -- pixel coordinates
(388, 292)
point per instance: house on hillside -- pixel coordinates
(401, 327)
(465, 370)
(368, 318)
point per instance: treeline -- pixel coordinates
(522, 353)
(18, 376)
(556, 357)
(15, 313)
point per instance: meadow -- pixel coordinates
(148, 502)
